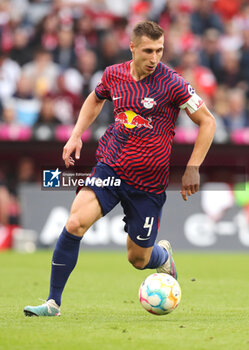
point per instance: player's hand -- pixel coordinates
(190, 182)
(74, 144)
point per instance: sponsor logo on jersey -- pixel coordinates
(131, 120)
(148, 102)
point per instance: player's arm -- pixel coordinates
(88, 113)
(207, 126)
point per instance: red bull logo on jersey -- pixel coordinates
(148, 102)
(131, 120)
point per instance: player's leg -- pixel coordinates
(89, 205)
(142, 217)
(85, 211)
(158, 257)
(140, 257)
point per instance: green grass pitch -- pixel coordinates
(101, 310)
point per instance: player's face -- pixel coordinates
(146, 54)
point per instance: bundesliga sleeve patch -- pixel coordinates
(193, 104)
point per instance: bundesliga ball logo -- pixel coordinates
(159, 294)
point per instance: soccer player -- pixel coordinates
(147, 96)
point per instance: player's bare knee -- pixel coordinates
(138, 262)
(74, 225)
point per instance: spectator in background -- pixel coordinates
(230, 74)
(9, 75)
(47, 116)
(26, 171)
(244, 56)
(10, 128)
(241, 20)
(1, 109)
(237, 115)
(8, 114)
(170, 54)
(181, 35)
(64, 53)
(18, 10)
(119, 7)
(120, 30)
(168, 14)
(68, 96)
(37, 10)
(5, 26)
(140, 11)
(231, 39)
(199, 76)
(210, 55)
(87, 65)
(203, 18)
(44, 127)
(27, 106)
(220, 102)
(219, 107)
(109, 51)
(21, 51)
(227, 9)
(43, 72)
(45, 34)
(86, 34)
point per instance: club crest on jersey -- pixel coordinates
(148, 102)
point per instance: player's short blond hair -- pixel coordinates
(149, 29)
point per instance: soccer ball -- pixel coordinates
(160, 293)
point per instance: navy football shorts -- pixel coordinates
(142, 209)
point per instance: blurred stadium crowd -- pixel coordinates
(53, 53)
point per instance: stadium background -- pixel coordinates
(53, 53)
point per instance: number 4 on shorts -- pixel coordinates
(148, 224)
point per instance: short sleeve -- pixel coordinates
(181, 90)
(102, 90)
